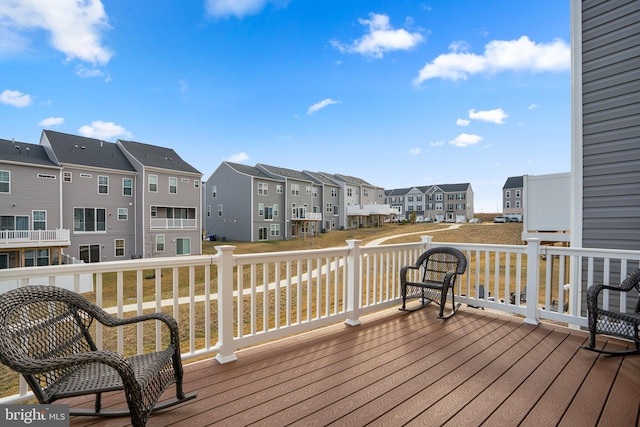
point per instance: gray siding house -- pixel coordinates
(31, 227)
(168, 199)
(513, 195)
(234, 195)
(330, 200)
(606, 124)
(97, 196)
(439, 203)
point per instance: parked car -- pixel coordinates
(475, 220)
(499, 219)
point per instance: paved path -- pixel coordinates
(382, 239)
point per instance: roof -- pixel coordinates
(513, 182)
(79, 150)
(249, 170)
(321, 178)
(158, 157)
(284, 172)
(22, 152)
(352, 180)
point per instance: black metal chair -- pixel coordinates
(45, 336)
(438, 269)
(614, 323)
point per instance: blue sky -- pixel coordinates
(399, 93)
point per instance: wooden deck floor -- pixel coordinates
(398, 368)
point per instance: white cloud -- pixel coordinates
(533, 106)
(239, 8)
(320, 105)
(437, 143)
(414, 151)
(380, 38)
(51, 121)
(104, 130)
(238, 158)
(89, 73)
(15, 98)
(465, 140)
(75, 27)
(498, 56)
(494, 116)
(463, 122)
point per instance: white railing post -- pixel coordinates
(353, 283)
(225, 305)
(533, 281)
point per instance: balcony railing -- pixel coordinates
(371, 209)
(173, 223)
(227, 301)
(34, 238)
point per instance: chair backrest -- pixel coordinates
(437, 262)
(632, 281)
(41, 322)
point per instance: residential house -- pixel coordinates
(440, 203)
(605, 183)
(98, 203)
(330, 200)
(512, 196)
(364, 203)
(31, 227)
(244, 203)
(168, 199)
(301, 202)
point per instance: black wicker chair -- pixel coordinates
(614, 323)
(45, 336)
(438, 268)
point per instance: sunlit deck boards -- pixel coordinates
(401, 368)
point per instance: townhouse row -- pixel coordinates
(433, 203)
(83, 198)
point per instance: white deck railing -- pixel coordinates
(35, 238)
(227, 301)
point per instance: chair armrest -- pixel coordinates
(32, 366)
(403, 272)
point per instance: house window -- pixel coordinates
(334, 192)
(263, 189)
(517, 203)
(507, 204)
(208, 210)
(196, 183)
(154, 211)
(439, 197)
(37, 257)
(103, 184)
(439, 206)
(349, 192)
(275, 230)
(279, 189)
(66, 176)
(262, 233)
(5, 182)
(308, 189)
(261, 209)
(268, 213)
(329, 207)
(315, 192)
(39, 220)
(89, 219)
(518, 194)
(119, 245)
(127, 186)
(123, 214)
(159, 242)
(336, 210)
(295, 189)
(365, 192)
(275, 209)
(89, 253)
(183, 246)
(410, 199)
(153, 183)
(173, 185)
(214, 191)
(507, 194)
(219, 210)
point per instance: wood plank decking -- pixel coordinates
(399, 368)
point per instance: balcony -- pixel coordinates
(173, 224)
(370, 209)
(15, 239)
(315, 337)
